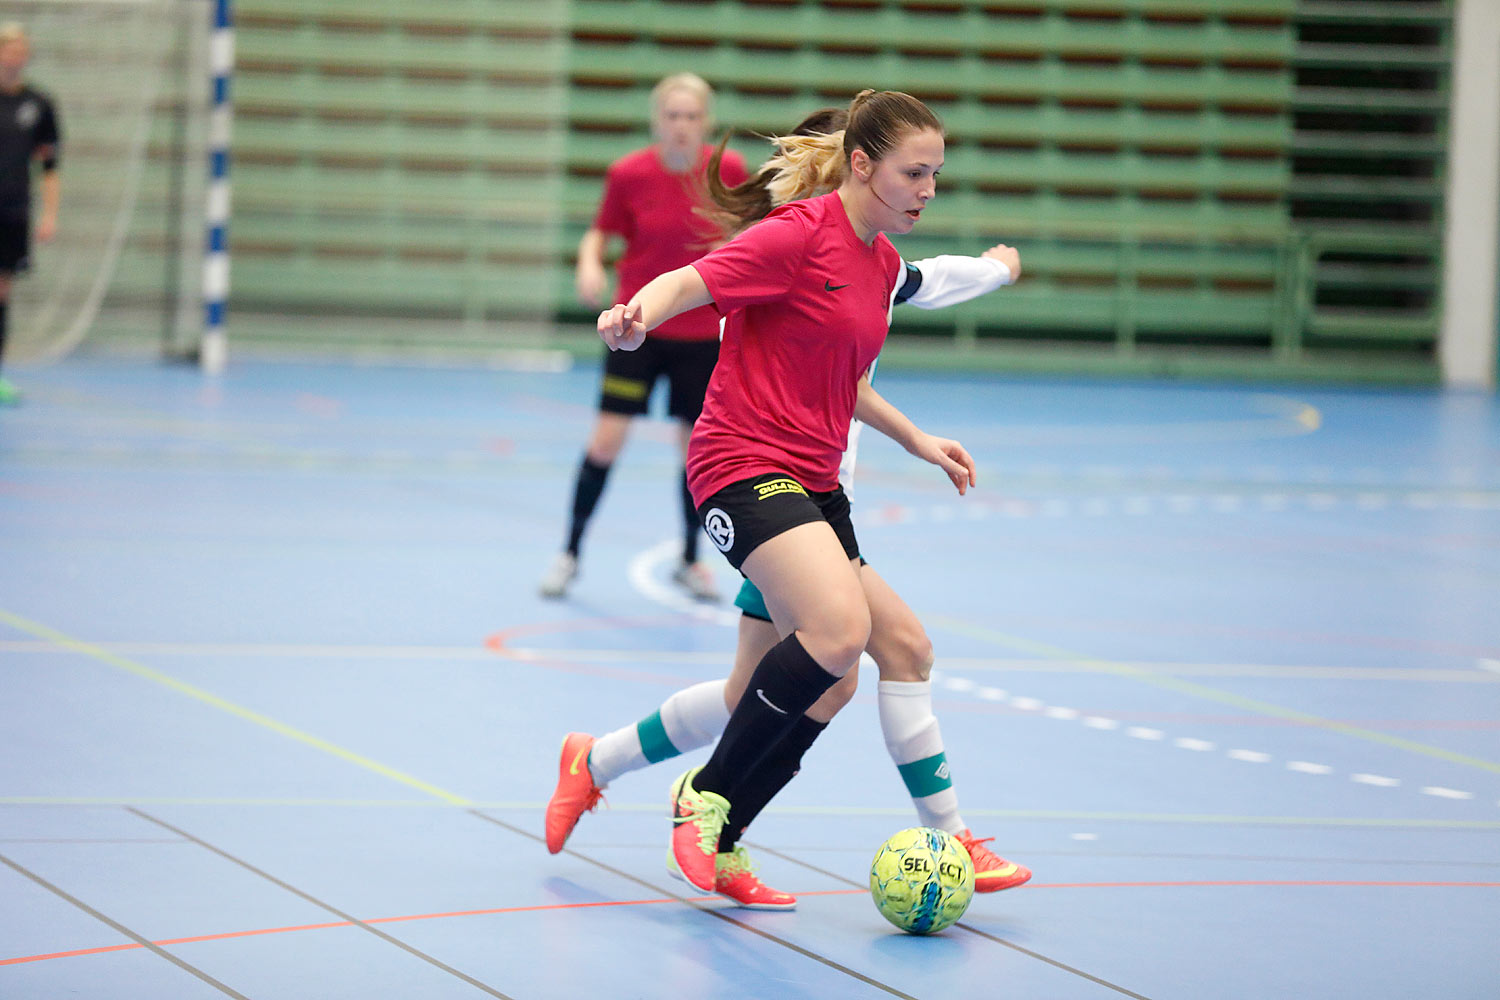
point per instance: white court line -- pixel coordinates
(1306, 768)
(645, 577)
(650, 585)
(1446, 793)
(1379, 781)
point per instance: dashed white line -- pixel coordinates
(1188, 743)
(1026, 704)
(1250, 756)
(1144, 733)
(1059, 712)
(1379, 781)
(991, 694)
(1308, 768)
(1446, 793)
(1100, 722)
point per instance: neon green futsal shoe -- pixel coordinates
(697, 820)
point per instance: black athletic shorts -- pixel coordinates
(744, 514)
(629, 376)
(15, 244)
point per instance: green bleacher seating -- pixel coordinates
(1139, 152)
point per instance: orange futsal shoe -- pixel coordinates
(576, 792)
(697, 819)
(991, 872)
(735, 879)
(734, 876)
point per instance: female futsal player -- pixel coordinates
(695, 716)
(806, 294)
(649, 200)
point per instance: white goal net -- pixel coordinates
(121, 75)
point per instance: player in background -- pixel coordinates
(807, 295)
(29, 133)
(648, 202)
(695, 716)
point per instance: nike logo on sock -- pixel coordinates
(761, 694)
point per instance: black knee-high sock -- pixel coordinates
(784, 685)
(586, 495)
(693, 525)
(753, 792)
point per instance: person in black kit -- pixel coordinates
(28, 131)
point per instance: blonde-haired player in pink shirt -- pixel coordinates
(649, 203)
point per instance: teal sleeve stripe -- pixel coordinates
(653, 736)
(927, 776)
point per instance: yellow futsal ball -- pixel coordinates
(922, 880)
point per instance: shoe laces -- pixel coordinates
(594, 797)
(975, 846)
(735, 862)
(709, 819)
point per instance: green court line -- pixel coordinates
(1212, 694)
(208, 698)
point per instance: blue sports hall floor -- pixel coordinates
(280, 708)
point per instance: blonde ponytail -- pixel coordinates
(808, 162)
(804, 166)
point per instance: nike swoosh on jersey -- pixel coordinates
(830, 287)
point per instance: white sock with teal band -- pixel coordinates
(692, 718)
(916, 746)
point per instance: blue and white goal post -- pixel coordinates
(214, 352)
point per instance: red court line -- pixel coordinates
(498, 643)
(651, 902)
(500, 639)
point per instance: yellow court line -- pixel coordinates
(208, 698)
(1014, 815)
(1213, 694)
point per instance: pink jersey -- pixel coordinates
(807, 308)
(655, 211)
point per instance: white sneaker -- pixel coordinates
(697, 580)
(564, 571)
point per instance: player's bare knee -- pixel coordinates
(837, 641)
(904, 654)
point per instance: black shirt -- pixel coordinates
(27, 123)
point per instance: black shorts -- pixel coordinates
(15, 244)
(745, 514)
(629, 376)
